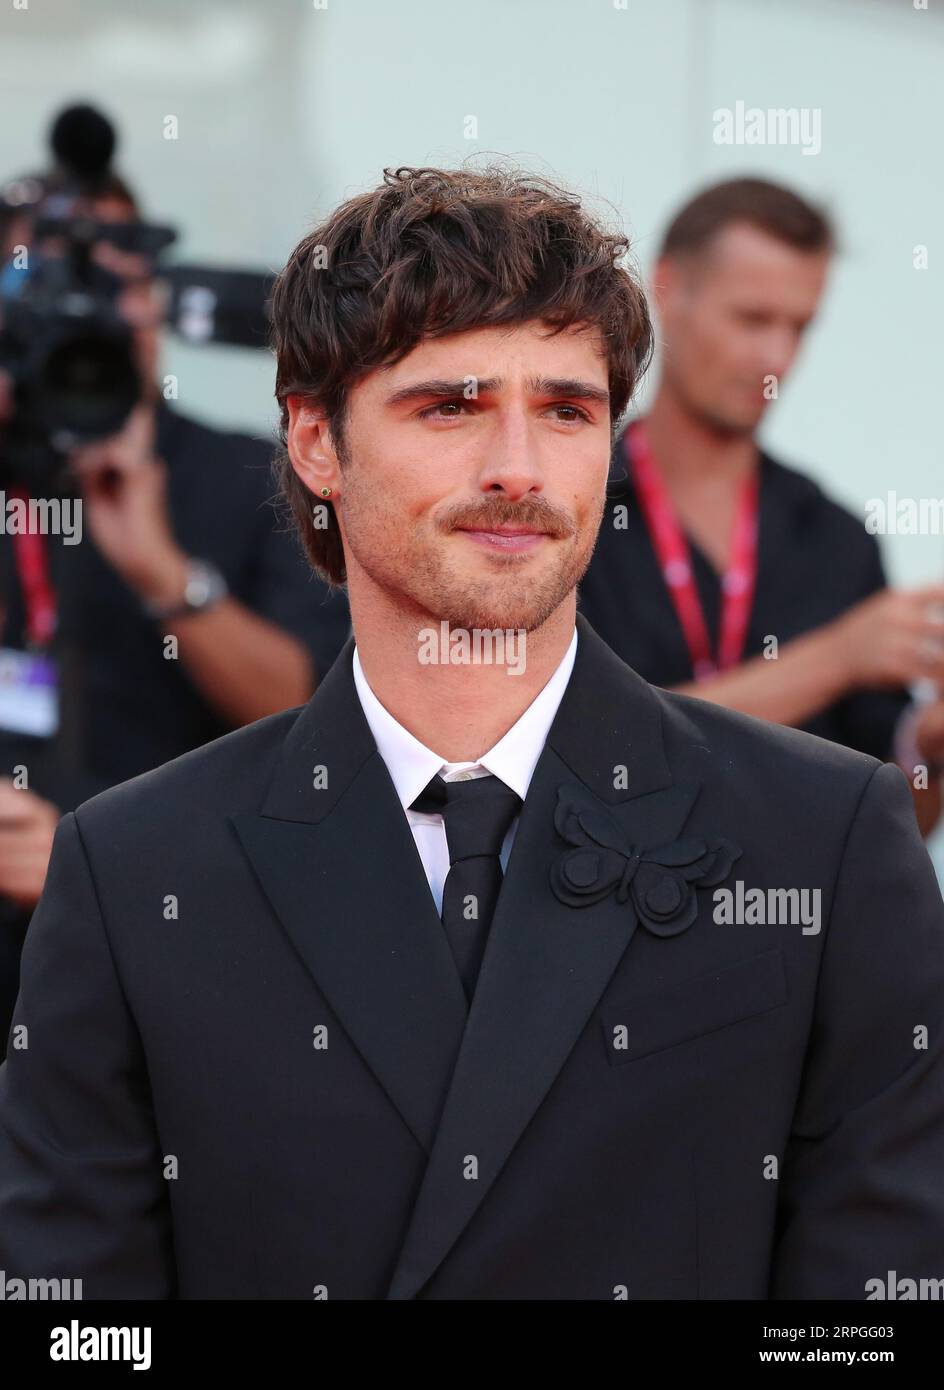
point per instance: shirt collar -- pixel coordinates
(412, 765)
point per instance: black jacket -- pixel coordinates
(251, 1072)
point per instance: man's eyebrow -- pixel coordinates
(441, 388)
(538, 386)
(568, 386)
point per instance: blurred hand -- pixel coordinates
(893, 638)
(124, 496)
(27, 826)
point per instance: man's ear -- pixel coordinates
(311, 448)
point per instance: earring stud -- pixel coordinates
(326, 492)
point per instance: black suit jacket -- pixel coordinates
(251, 1072)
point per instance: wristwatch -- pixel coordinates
(205, 586)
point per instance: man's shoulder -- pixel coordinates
(799, 490)
(791, 490)
(740, 748)
(228, 775)
(232, 774)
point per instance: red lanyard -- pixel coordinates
(674, 555)
(39, 601)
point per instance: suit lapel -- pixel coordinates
(340, 868)
(546, 965)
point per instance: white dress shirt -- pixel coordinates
(412, 765)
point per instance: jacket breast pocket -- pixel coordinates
(637, 1025)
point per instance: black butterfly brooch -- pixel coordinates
(660, 879)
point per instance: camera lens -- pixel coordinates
(88, 385)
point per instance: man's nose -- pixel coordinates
(779, 349)
(511, 464)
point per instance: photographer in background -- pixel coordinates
(187, 608)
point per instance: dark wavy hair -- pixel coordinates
(428, 253)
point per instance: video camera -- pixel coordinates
(66, 348)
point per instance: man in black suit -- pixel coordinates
(615, 994)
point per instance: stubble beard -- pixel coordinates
(422, 579)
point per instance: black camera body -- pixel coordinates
(68, 352)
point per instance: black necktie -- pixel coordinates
(477, 813)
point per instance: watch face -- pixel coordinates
(205, 584)
(198, 587)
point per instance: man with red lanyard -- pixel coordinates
(723, 573)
